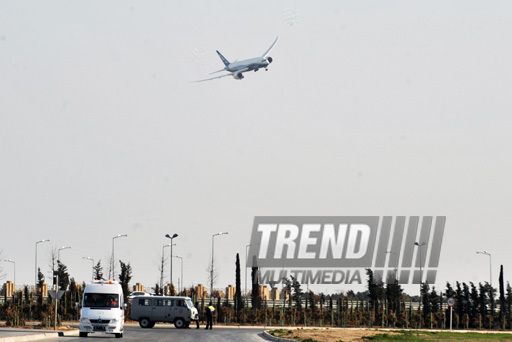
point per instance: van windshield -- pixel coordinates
(189, 303)
(101, 300)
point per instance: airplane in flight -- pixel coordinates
(237, 68)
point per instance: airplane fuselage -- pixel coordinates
(237, 68)
(248, 65)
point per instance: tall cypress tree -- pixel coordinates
(63, 276)
(297, 293)
(503, 307)
(372, 292)
(255, 293)
(124, 278)
(239, 303)
(98, 270)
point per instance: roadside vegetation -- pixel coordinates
(382, 305)
(339, 335)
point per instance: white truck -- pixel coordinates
(172, 309)
(102, 309)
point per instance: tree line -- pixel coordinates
(477, 306)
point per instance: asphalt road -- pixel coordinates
(169, 333)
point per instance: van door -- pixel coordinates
(180, 310)
(141, 307)
(159, 310)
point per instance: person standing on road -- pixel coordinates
(198, 314)
(209, 316)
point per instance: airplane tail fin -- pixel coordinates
(224, 60)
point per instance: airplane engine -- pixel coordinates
(269, 59)
(238, 76)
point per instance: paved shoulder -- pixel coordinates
(21, 335)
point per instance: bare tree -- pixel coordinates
(110, 270)
(215, 275)
(161, 268)
(53, 260)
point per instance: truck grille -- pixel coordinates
(105, 321)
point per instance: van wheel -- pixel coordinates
(179, 323)
(145, 323)
(82, 334)
(120, 335)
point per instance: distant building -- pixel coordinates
(264, 292)
(167, 290)
(201, 292)
(43, 290)
(138, 287)
(230, 291)
(9, 288)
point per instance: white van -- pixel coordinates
(172, 309)
(102, 309)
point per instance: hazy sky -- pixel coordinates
(369, 108)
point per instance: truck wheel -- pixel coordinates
(179, 323)
(145, 323)
(82, 334)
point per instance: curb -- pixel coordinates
(276, 339)
(37, 337)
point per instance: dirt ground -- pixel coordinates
(330, 335)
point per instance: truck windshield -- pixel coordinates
(101, 300)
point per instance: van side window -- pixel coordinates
(144, 302)
(180, 302)
(168, 302)
(159, 302)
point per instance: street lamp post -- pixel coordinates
(113, 255)
(171, 237)
(181, 283)
(14, 264)
(89, 258)
(490, 265)
(35, 278)
(211, 271)
(421, 275)
(58, 256)
(162, 270)
(60, 249)
(398, 261)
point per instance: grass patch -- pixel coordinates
(420, 336)
(280, 332)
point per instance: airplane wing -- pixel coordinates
(270, 48)
(221, 70)
(213, 78)
(240, 71)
